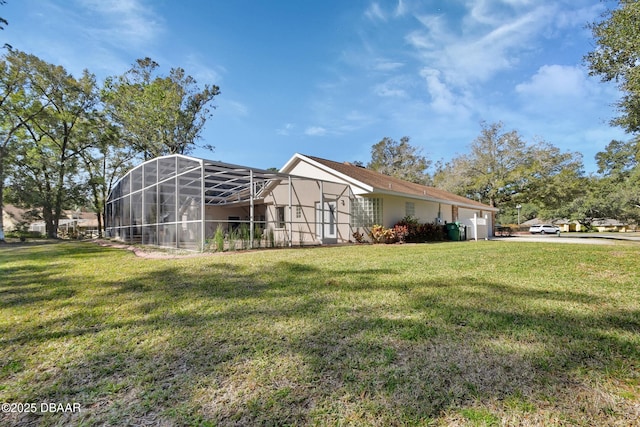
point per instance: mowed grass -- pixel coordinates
(470, 333)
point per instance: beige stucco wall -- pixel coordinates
(394, 209)
(300, 221)
(305, 169)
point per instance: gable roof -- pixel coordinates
(384, 184)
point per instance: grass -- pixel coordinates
(478, 334)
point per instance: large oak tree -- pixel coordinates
(616, 57)
(158, 115)
(400, 160)
(502, 170)
(47, 153)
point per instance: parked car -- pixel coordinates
(544, 229)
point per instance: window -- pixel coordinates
(366, 212)
(410, 209)
(298, 212)
(280, 217)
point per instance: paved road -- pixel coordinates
(586, 239)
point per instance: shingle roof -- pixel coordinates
(386, 184)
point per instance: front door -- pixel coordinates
(327, 221)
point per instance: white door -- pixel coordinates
(328, 221)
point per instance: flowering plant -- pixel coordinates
(380, 234)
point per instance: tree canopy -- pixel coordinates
(502, 170)
(158, 115)
(616, 58)
(400, 160)
(64, 142)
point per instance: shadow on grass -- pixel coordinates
(297, 344)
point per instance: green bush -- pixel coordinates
(422, 232)
(218, 238)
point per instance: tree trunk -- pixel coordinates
(99, 215)
(1, 194)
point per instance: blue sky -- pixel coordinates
(331, 78)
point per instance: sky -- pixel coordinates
(331, 78)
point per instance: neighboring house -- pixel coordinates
(12, 216)
(184, 202)
(609, 224)
(567, 226)
(72, 224)
(385, 200)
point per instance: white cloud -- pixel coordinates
(393, 87)
(122, 21)
(315, 131)
(401, 9)
(443, 100)
(238, 108)
(286, 129)
(375, 13)
(489, 39)
(557, 81)
(387, 66)
(196, 67)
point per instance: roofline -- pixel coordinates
(482, 207)
(298, 156)
(375, 190)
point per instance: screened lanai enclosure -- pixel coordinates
(188, 203)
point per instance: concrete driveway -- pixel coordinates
(585, 239)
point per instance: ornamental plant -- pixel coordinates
(421, 232)
(381, 234)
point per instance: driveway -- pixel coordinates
(585, 239)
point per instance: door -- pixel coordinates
(327, 221)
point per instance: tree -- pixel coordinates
(502, 170)
(158, 115)
(616, 58)
(47, 153)
(553, 179)
(103, 163)
(4, 23)
(17, 107)
(619, 159)
(617, 190)
(494, 170)
(400, 160)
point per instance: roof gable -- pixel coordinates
(384, 184)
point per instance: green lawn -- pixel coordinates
(470, 333)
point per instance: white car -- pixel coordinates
(544, 229)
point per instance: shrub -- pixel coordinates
(380, 234)
(359, 237)
(418, 233)
(218, 238)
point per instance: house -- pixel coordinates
(12, 217)
(385, 200)
(72, 224)
(609, 225)
(184, 202)
(567, 225)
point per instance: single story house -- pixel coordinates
(184, 202)
(72, 224)
(385, 200)
(12, 217)
(609, 225)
